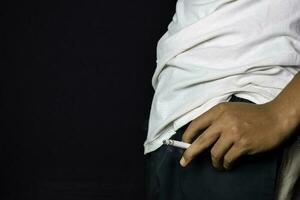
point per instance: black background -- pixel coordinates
(75, 93)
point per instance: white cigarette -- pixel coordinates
(176, 143)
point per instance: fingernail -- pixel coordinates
(182, 162)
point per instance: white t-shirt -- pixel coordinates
(216, 48)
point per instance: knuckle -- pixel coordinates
(234, 129)
(188, 156)
(185, 137)
(230, 117)
(243, 143)
(214, 156)
(227, 161)
(236, 136)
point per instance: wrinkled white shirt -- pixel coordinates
(215, 48)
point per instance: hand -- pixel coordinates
(234, 129)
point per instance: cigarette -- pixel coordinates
(176, 143)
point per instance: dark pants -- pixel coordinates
(252, 177)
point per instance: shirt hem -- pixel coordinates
(158, 142)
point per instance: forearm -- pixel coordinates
(287, 103)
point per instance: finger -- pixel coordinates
(232, 155)
(206, 139)
(219, 150)
(201, 122)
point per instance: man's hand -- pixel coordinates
(233, 129)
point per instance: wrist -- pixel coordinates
(287, 116)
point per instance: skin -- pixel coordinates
(235, 129)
